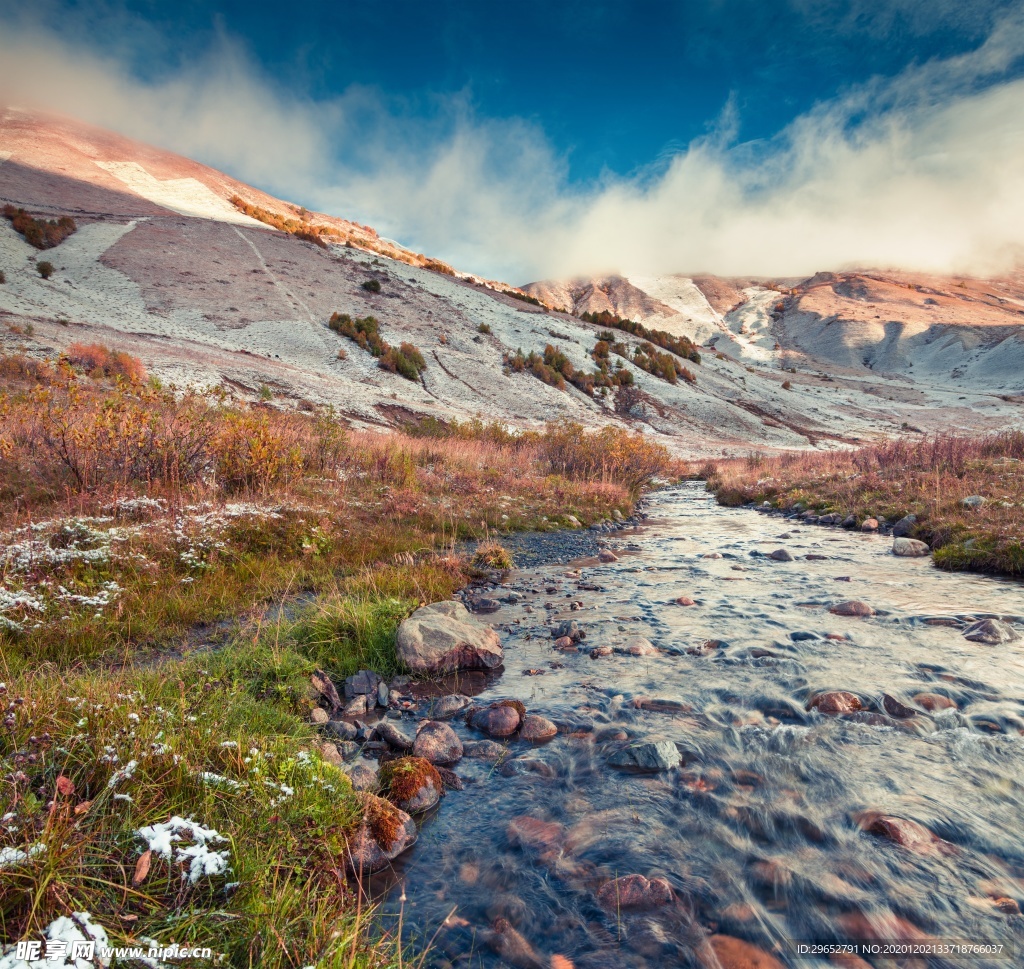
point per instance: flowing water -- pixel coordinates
(757, 831)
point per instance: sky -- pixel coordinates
(535, 139)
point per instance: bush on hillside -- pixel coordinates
(372, 285)
(40, 233)
(45, 269)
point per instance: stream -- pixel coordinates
(762, 831)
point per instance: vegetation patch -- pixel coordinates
(296, 227)
(405, 359)
(681, 346)
(928, 477)
(40, 233)
(554, 369)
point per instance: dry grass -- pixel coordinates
(928, 477)
(139, 524)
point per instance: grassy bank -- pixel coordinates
(928, 477)
(148, 673)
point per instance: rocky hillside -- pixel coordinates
(210, 281)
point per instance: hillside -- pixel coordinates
(165, 266)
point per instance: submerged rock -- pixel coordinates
(835, 702)
(904, 832)
(385, 832)
(607, 555)
(728, 952)
(444, 707)
(781, 555)
(392, 736)
(444, 637)
(638, 646)
(991, 632)
(634, 891)
(934, 701)
(658, 756)
(438, 743)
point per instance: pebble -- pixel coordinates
(498, 720)
(934, 701)
(638, 646)
(340, 730)
(485, 750)
(529, 832)
(564, 642)
(685, 601)
(781, 555)
(869, 525)
(904, 832)
(391, 735)
(607, 555)
(598, 651)
(363, 778)
(445, 707)
(318, 715)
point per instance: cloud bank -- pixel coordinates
(922, 171)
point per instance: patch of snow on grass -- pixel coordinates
(167, 841)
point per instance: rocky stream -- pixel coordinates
(734, 760)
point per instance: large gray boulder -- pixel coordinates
(444, 637)
(909, 548)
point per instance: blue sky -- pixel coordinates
(447, 124)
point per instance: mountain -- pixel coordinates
(182, 266)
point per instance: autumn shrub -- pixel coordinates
(680, 345)
(251, 454)
(45, 269)
(406, 361)
(372, 285)
(98, 360)
(40, 233)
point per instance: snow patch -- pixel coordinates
(167, 841)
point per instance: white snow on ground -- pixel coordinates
(186, 196)
(13, 857)
(79, 928)
(751, 324)
(168, 840)
(695, 318)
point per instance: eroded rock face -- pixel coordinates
(991, 632)
(438, 743)
(385, 832)
(444, 637)
(634, 891)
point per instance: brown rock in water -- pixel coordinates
(835, 702)
(904, 832)
(537, 729)
(528, 832)
(438, 743)
(634, 891)
(896, 709)
(638, 646)
(878, 926)
(598, 651)
(685, 601)
(934, 701)
(411, 783)
(501, 719)
(869, 525)
(607, 555)
(444, 637)
(727, 952)
(513, 948)
(852, 607)
(385, 832)
(564, 642)
(991, 632)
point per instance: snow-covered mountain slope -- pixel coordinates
(164, 266)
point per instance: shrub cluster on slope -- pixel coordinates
(681, 346)
(405, 359)
(553, 368)
(41, 233)
(296, 227)
(928, 477)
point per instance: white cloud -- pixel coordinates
(923, 171)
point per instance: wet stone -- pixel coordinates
(445, 707)
(991, 632)
(852, 607)
(500, 719)
(363, 683)
(658, 756)
(363, 777)
(634, 891)
(934, 701)
(485, 750)
(340, 730)
(537, 729)
(607, 555)
(437, 743)
(836, 702)
(392, 736)
(781, 555)
(910, 548)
